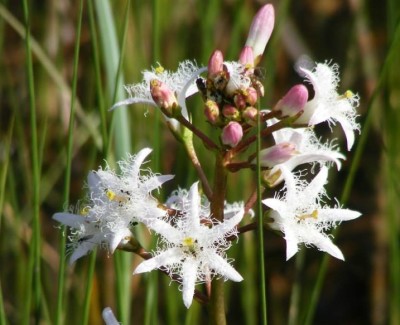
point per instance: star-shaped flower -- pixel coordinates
(327, 104)
(115, 204)
(193, 247)
(302, 217)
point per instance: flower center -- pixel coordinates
(112, 196)
(313, 215)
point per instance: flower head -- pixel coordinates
(192, 248)
(327, 104)
(300, 214)
(115, 203)
(181, 82)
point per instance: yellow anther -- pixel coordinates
(115, 197)
(188, 242)
(159, 69)
(85, 211)
(348, 94)
(313, 215)
(111, 195)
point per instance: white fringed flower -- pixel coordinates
(115, 203)
(191, 249)
(302, 217)
(181, 82)
(307, 149)
(327, 104)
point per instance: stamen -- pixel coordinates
(85, 211)
(160, 69)
(313, 215)
(114, 197)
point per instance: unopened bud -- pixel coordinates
(232, 133)
(251, 96)
(211, 111)
(250, 115)
(277, 154)
(293, 102)
(260, 31)
(215, 63)
(240, 101)
(163, 96)
(230, 112)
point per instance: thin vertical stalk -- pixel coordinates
(217, 303)
(296, 289)
(33, 282)
(3, 179)
(88, 290)
(96, 63)
(152, 279)
(67, 181)
(260, 230)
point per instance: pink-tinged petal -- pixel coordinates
(189, 276)
(293, 101)
(221, 266)
(260, 31)
(166, 258)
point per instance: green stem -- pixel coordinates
(33, 283)
(187, 139)
(263, 295)
(217, 303)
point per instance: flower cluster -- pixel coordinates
(194, 234)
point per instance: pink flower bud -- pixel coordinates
(215, 63)
(293, 102)
(240, 101)
(251, 96)
(163, 96)
(247, 57)
(211, 111)
(232, 133)
(230, 112)
(250, 115)
(260, 31)
(277, 154)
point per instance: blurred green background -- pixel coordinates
(78, 56)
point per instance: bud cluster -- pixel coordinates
(230, 92)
